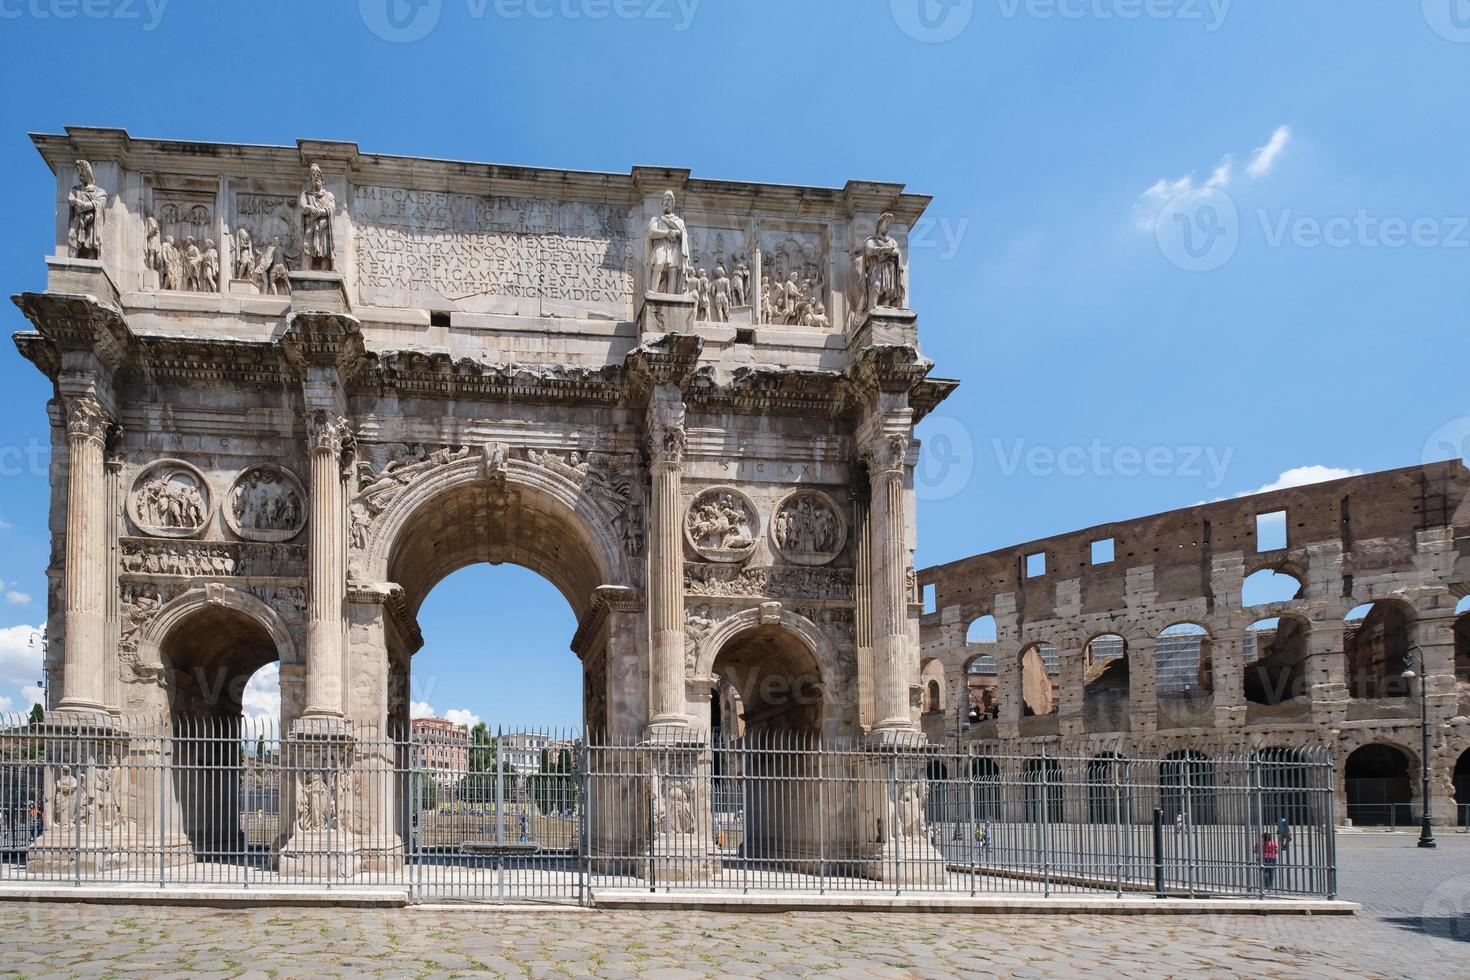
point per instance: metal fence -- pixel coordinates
(525, 816)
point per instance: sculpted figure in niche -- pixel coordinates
(740, 284)
(171, 265)
(152, 244)
(313, 811)
(679, 817)
(882, 275)
(87, 204)
(719, 311)
(244, 254)
(267, 502)
(193, 265)
(806, 526)
(668, 250)
(64, 803)
(272, 273)
(701, 292)
(318, 207)
(209, 267)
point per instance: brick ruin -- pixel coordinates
(1266, 622)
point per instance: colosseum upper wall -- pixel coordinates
(1271, 621)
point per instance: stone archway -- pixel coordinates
(1378, 785)
(205, 646)
(461, 508)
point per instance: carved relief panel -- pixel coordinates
(266, 503)
(719, 276)
(265, 241)
(794, 273)
(808, 528)
(179, 248)
(171, 499)
(721, 525)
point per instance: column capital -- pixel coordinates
(87, 420)
(885, 453)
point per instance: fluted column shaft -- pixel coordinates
(87, 571)
(666, 597)
(327, 564)
(888, 565)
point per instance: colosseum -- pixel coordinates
(1273, 621)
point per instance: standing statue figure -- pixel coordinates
(739, 283)
(719, 302)
(668, 250)
(209, 267)
(244, 254)
(170, 265)
(882, 274)
(64, 800)
(193, 265)
(318, 207)
(152, 244)
(87, 203)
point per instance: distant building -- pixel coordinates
(443, 748)
(522, 751)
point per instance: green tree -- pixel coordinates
(38, 714)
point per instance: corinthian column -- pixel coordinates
(893, 672)
(666, 443)
(87, 573)
(327, 562)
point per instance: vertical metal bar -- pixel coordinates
(1158, 852)
(970, 823)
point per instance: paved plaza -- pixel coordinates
(1416, 923)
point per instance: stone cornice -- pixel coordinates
(605, 599)
(345, 158)
(322, 339)
(926, 395)
(889, 368)
(771, 390)
(72, 323)
(672, 359)
(439, 375)
(390, 596)
(187, 361)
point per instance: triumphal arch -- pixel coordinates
(295, 387)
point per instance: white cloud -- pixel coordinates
(18, 598)
(420, 709)
(20, 660)
(261, 700)
(1265, 156)
(1303, 476)
(1152, 202)
(462, 717)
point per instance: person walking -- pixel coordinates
(1270, 853)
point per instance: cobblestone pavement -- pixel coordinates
(1417, 924)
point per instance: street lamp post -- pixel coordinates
(1426, 831)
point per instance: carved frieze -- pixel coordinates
(179, 252)
(808, 528)
(266, 242)
(721, 525)
(144, 556)
(422, 248)
(779, 582)
(170, 499)
(266, 503)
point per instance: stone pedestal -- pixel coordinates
(680, 813)
(895, 844)
(243, 287)
(663, 313)
(323, 801)
(88, 828)
(886, 327)
(319, 292)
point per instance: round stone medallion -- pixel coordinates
(721, 525)
(266, 503)
(170, 499)
(808, 528)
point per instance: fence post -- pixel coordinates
(584, 798)
(652, 821)
(1158, 852)
(970, 789)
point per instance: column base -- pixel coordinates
(910, 862)
(57, 852)
(321, 854)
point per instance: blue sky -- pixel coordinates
(1179, 249)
